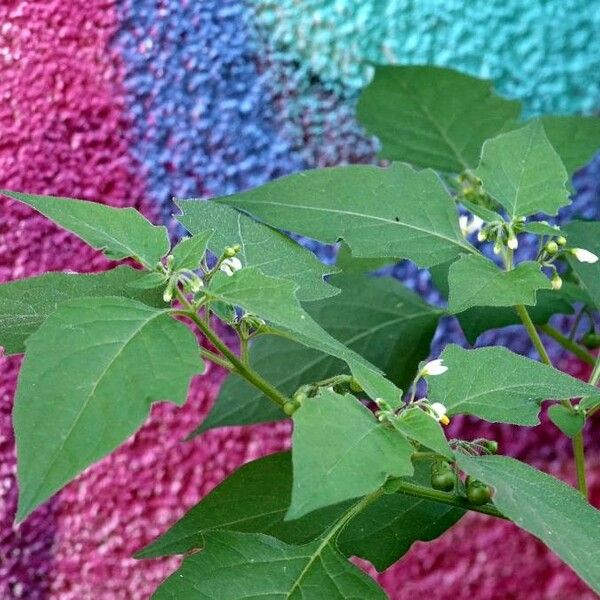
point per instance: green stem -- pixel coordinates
(569, 344)
(595, 376)
(577, 440)
(533, 334)
(579, 453)
(219, 360)
(418, 491)
(245, 371)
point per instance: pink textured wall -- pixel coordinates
(63, 130)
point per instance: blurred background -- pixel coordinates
(132, 102)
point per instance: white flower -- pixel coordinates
(434, 367)
(438, 411)
(584, 256)
(230, 265)
(468, 227)
(512, 243)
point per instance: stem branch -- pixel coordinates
(569, 344)
(577, 440)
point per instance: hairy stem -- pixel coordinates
(569, 344)
(577, 440)
(418, 491)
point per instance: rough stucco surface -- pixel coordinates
(132, 102)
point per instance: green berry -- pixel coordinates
(561, 241)
(443, 481)
(477, 492)
(591, 340)
(551, 248)
(229, 252)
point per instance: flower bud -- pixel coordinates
(561, 240)
(512, 243)
(556, 281)
(551, 248)
(229, 252)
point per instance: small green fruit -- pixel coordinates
(591, 340)
(551, 248)
(229, 252)
(443, 481)
(478, 493)
(561, 241)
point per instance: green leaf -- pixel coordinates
(476, 321)
(26, 303)
(262, 246)
(590, 403)
(569, 422)
(541, 228)
(149, 281)
(575, 138)
(341, 452)
(189, 252)
(481, 211)
(522, 171)
(500, 386)
(417, 425)
(432, 116)
(476, 281)
(586, 235)
(265, 486)
(552, 511)
(382, 533)
(380, 213)
(377, 318)
(118, 232)
(90, 374)
(350, 265)
(275, 301)
(250, 565)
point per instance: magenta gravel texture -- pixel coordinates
(64, 130)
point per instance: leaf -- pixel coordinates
(417, 425)
(432, 116)
(586, 234)
(477, 320)
(481, 211)
(380, 213)
(547, 508)
(262, 246)
(189, 252)
(500, 386)
(351, 266)
(569, 422)
(377, 318)
(541, 228)
(476, 281)
(274, 300)
(90, 374)
(250, 565)
(522, 171)
(265, 486)
(26, 303)
(575, 138)
(118, 232)
(590, 403)
(382, 533)
(341, 452)
(149, 281)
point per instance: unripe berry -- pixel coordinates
(477, 492)
(561, 241)
(229, 252)
(551, 248)
(443, 481)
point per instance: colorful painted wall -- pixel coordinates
(132, 102)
